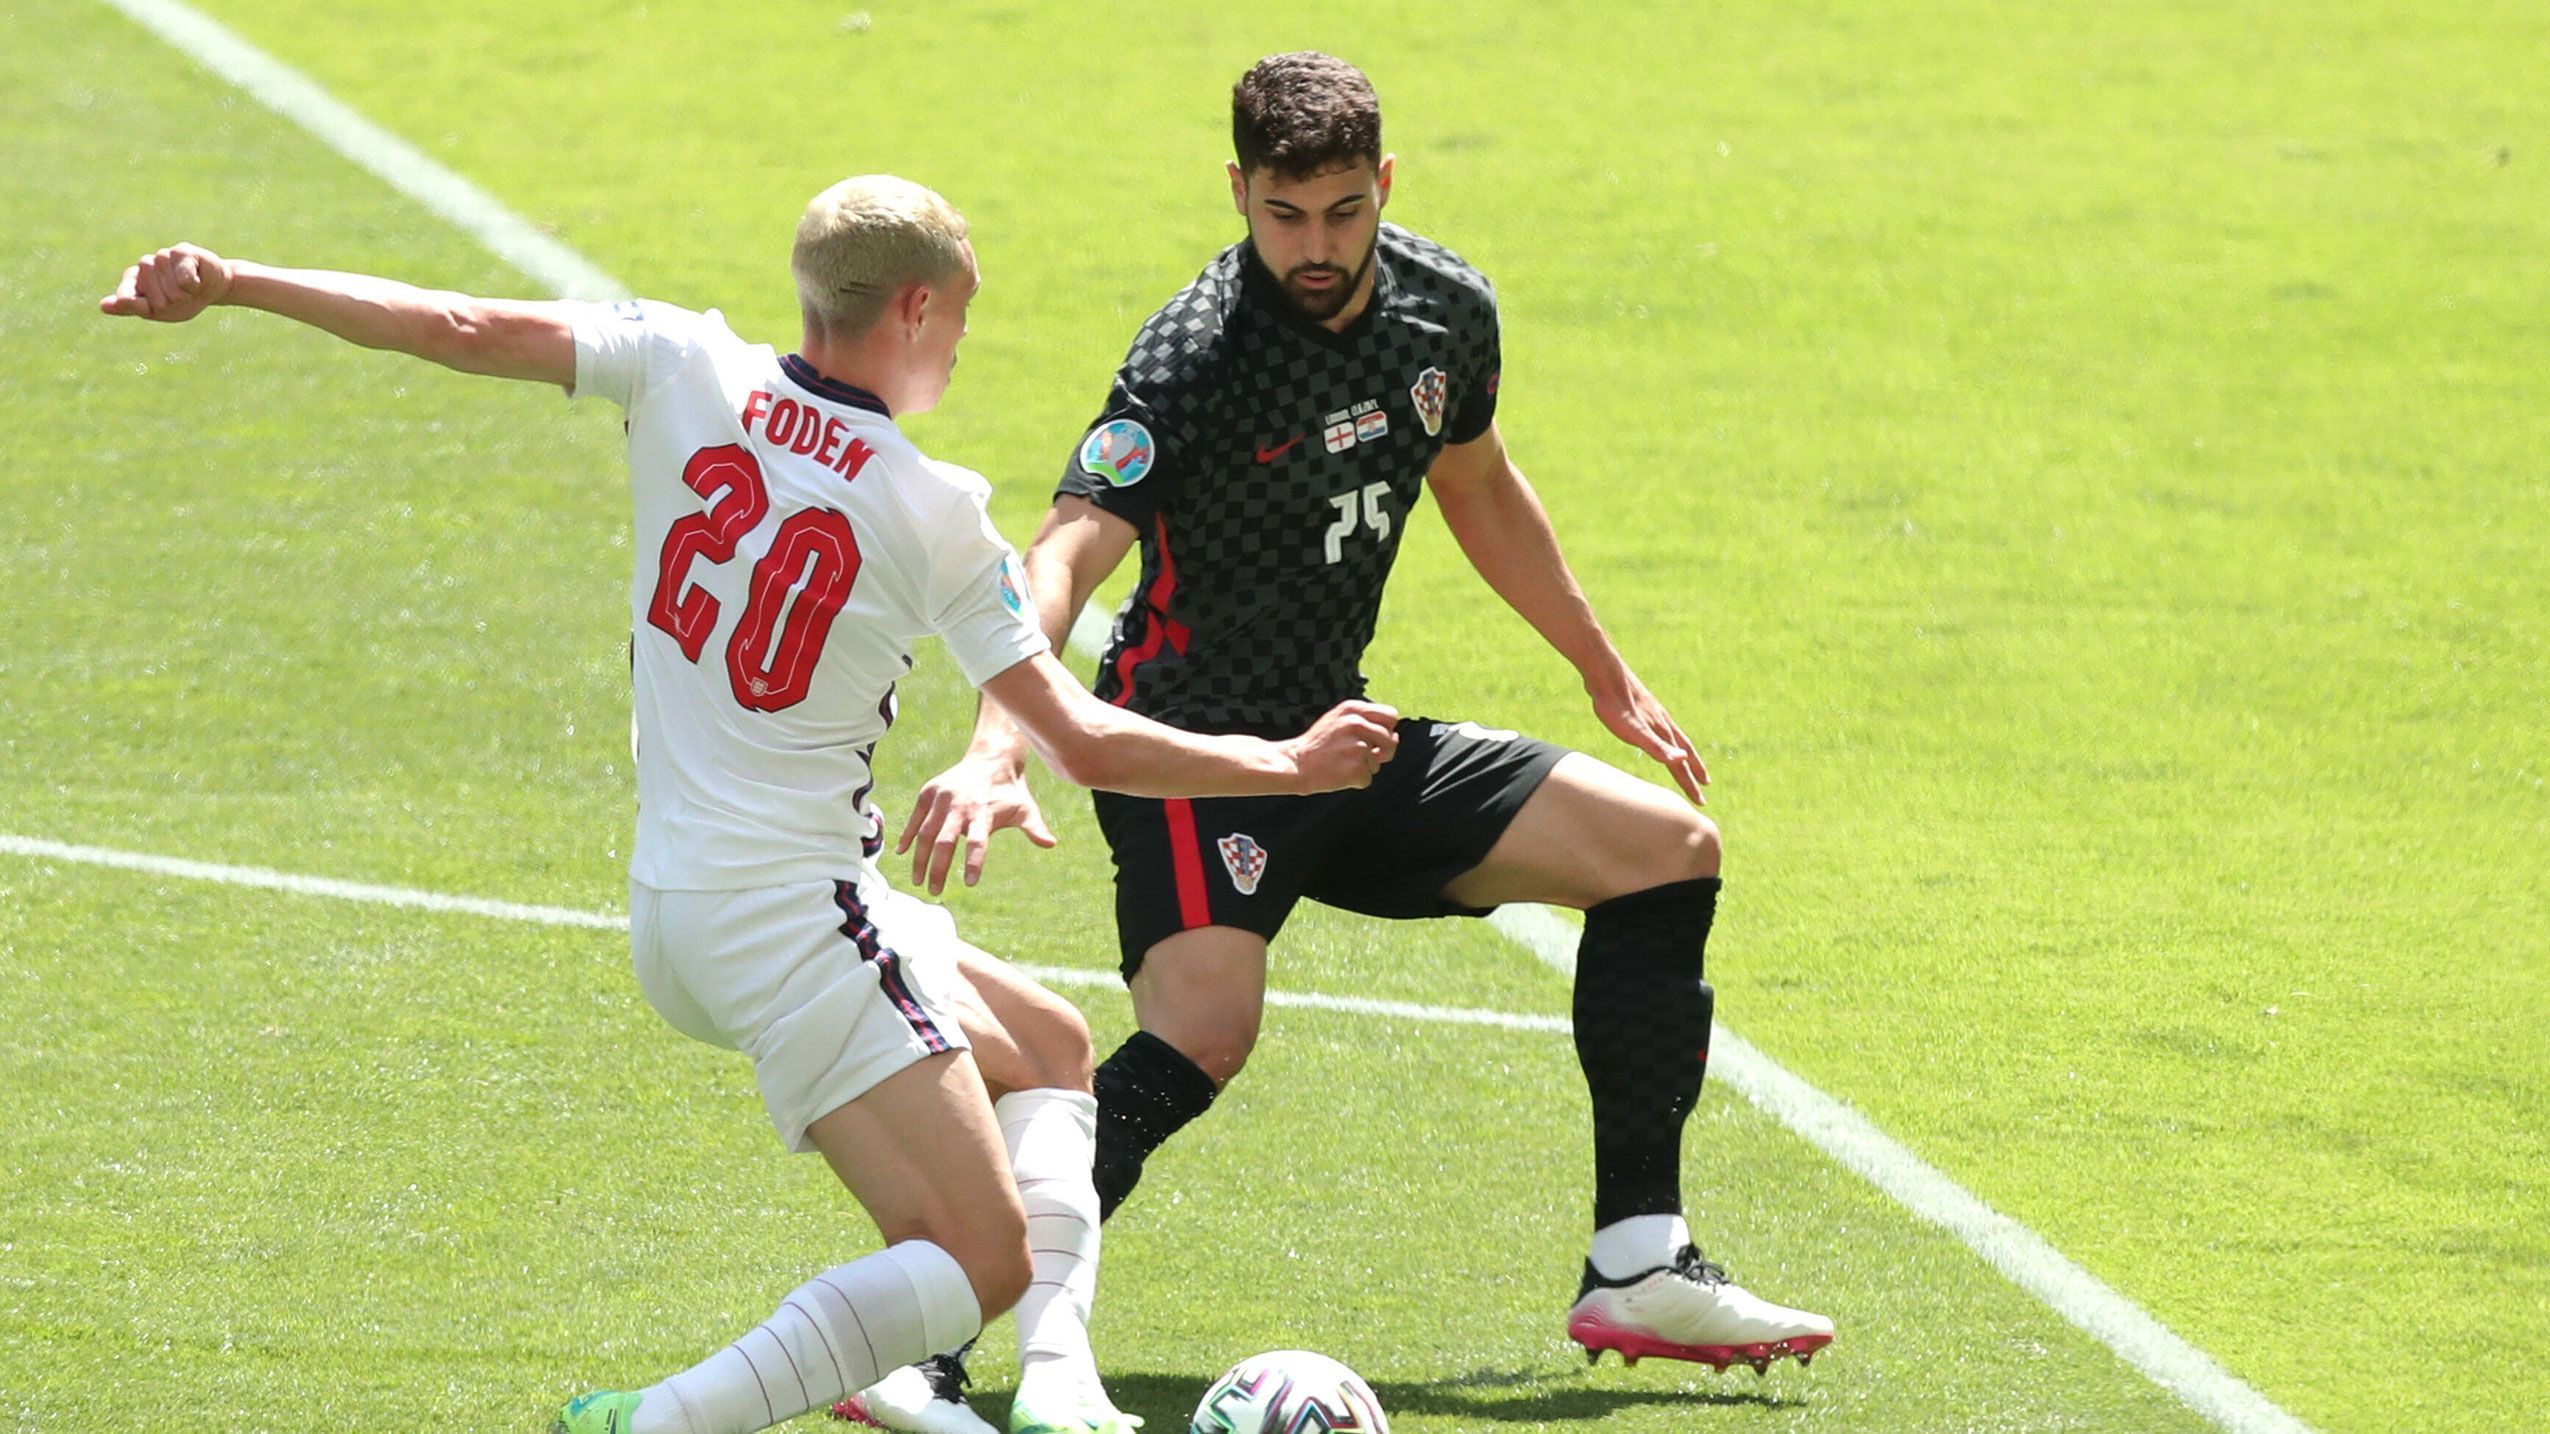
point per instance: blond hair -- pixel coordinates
(863, 240)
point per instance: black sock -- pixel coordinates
(1147, 1091)
(1642, 1035)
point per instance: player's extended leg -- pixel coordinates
(1643, 866)
(955, 1255)
(1033, 1049)
(1198, 997)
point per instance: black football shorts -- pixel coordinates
(1432, 812)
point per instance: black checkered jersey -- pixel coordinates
(1270, 466)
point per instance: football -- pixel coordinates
(1288, 1391)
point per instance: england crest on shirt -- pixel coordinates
(1428, 391)
(1244, 859)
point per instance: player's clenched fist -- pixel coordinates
(171, 286)
(1346, 746)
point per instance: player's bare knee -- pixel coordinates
(1217, 1049)
(1065, 1055)
(1664, 846)
(1006, 1282)
(999, 1278)
(1208, 1010)
(1698, 848)
(1223, 1062)
(1053, 1041)
(995, 1261)
(1221, 1053)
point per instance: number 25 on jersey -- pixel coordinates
(796, 590)
(1371, 512)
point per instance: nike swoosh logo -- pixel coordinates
(1269, 455)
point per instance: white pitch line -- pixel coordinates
(412, 899)
(2018, 1252)
(309, 885)
(291, 94)
(1346, 1005)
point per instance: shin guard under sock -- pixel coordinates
(1052, 1139)
(840, 1332)
(1642, 1035)
(1147, 1091)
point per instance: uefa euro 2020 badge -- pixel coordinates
(1013, 586)
(1244, 859)
(1118, 451)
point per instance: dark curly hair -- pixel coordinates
(1303, 114)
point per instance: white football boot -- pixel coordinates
(1690, 1310)
(924, 1398)
(1056, 1399)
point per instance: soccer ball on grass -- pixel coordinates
(1288, 1391)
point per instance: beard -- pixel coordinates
(1323, 304)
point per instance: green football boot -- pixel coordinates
(603, 1411)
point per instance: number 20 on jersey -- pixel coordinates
(813, 559)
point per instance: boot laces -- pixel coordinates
(1698, 1268)
(947, 1376)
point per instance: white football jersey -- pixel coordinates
(791, 547)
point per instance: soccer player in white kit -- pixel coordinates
(792, 545)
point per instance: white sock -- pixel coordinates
(1638, 1244)
(837, 1333)
(1052, 1136)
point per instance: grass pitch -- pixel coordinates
(2075, 473)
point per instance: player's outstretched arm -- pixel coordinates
(1092, 744)
(506, 338)
(986, 790)
(1506, 534)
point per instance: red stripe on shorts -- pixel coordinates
(1186, 856)
(899, 991)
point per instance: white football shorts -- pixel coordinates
(830, 986)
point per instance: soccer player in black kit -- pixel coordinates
(1265, 443)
